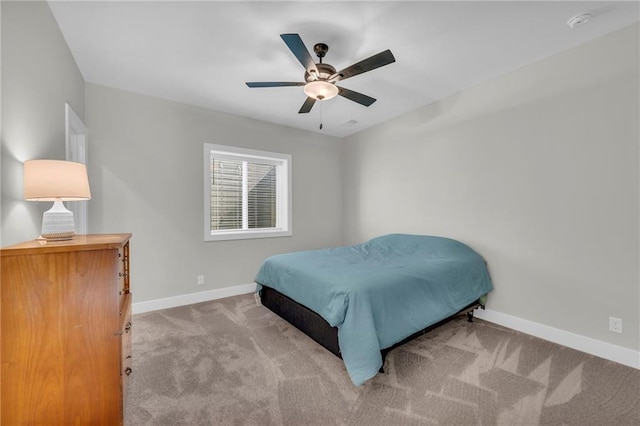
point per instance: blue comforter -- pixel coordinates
(380, 292)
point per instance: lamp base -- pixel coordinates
(60, 236)
(57, 223)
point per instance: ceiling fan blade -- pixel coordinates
(371, 63)
(307, 105)
(356, 96)
(297, 47)
(273, 83)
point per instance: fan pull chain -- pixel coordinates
(321, 114)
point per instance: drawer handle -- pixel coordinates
(128, 371)
(127, 328)
(122, 274)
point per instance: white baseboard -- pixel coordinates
(591, 346)
(191, 298)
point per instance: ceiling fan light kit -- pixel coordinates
(320, 90)
(321, 78)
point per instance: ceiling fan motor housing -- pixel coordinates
(324, 72)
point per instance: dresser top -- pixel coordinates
(78, 243)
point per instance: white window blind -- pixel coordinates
(226, 194)
(246, 193)
(261, 195)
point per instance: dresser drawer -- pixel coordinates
(123, 270)
(126, 364)
(121, 281)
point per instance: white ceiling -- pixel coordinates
(202, 52)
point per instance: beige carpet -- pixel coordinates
(231, 362)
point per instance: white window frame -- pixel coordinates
(283, 191)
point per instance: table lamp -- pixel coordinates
(57, 181)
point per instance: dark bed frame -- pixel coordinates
(314, 326)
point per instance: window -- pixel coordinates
(247, 193)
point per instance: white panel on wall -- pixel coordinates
(76, 150)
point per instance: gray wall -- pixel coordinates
(146, 174)
(38, 76)
(537, 170)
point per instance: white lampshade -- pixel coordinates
(321, 90)
(57, 181)
(53, 180)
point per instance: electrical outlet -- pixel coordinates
(615, 325)
(200, 280)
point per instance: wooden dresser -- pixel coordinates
(65, 331)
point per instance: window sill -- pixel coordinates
(245, 235)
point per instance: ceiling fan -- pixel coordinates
(320, 78)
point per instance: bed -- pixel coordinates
(360, 301)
